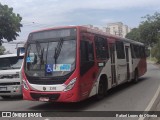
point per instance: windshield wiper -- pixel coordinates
(40, 52)
(38, 48)
(58, 51)
(41, 57)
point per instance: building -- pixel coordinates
(117, 28)
(93, 27)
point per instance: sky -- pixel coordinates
(38, 14)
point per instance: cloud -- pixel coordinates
(54, 7)
(61, 12)
(57, 11)
(107, 20)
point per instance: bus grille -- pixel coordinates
(47, 81)
(36, 96)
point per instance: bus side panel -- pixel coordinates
(87, 77)
(142, 67)
(106, 71)
(135, 62)
(103, 71)
(87, 82)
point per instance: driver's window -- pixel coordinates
(87, 55)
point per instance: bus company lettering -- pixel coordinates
(15, 114)
(34, 115)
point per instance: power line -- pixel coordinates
(39, 25)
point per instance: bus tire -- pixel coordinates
(102, 89)
(135, 76)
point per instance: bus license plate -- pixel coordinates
(45, 99)
(3, 88)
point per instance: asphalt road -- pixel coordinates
(126, 97)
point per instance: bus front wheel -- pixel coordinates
(101, 90)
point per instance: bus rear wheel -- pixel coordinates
(102, 90)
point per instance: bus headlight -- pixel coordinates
(25, 86)
(70, 85)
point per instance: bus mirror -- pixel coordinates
(20, 51)
(101, 64)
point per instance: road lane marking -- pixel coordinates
(153, 103)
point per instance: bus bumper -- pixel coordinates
(68, 96)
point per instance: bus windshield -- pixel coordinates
(11, 63)
(50, 58)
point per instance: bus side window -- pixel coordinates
(137, 51)
(133, 51)
(120, 50)
(101, 48)
(87, 56)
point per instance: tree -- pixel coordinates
(148, 30)
(9, 24)
(134, 34)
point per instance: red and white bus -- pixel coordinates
(73, 63)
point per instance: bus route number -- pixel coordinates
(52, 88)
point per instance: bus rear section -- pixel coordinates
(70, 64)
(10, 75)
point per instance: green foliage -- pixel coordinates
(9, 23)
(147, 51)
(134, 34)
(148, 32)
(2, 49)
(155, 52)
(149, 29)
